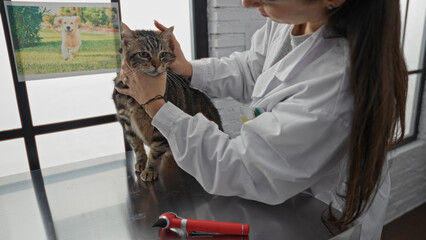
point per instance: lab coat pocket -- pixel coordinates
(248, 113)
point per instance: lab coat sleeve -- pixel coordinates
(233, 76)
(278, 154)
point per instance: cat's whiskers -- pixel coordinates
(131, 69)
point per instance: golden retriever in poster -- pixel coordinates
(71, 41)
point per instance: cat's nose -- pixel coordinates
(156, 64)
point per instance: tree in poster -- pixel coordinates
(96, 16)
(25, 23)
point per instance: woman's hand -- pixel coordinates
(143, 88)
(180, 66)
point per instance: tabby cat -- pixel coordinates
(149, 52)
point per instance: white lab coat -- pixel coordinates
(299, 141)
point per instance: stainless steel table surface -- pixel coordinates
(103, 199)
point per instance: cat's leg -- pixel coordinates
(139, 150)
(158, 148)
(135, 142)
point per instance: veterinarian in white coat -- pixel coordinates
(305, 98)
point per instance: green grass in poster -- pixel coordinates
(97, 51)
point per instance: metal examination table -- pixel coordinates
(103, 199)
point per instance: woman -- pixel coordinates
(329, 80)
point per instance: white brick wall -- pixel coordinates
(230, 29)
(408, 173)
(231, 26)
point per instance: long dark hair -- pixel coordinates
(379, 82)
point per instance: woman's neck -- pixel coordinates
(306, 28)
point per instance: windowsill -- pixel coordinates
(406, 149)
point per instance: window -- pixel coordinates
(414, 39)
(13, 157)
(51, 122)
(9, 108)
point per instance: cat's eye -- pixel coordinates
(163, 54)
(144, 54)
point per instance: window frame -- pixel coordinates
(417, 112)
(29, 132)
(421, 86)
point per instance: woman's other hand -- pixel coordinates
(142, 88)
(180, 66)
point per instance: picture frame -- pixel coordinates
(62, 39)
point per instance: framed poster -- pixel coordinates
(52, 39)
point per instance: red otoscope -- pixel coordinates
(193, 226)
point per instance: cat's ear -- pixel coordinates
(126, 33)
(166, 34)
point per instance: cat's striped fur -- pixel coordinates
(136, 123)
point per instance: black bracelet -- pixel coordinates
(152, 99)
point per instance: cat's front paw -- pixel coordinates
(139, 166)
(149, 175)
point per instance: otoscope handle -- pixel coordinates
(196, 225)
